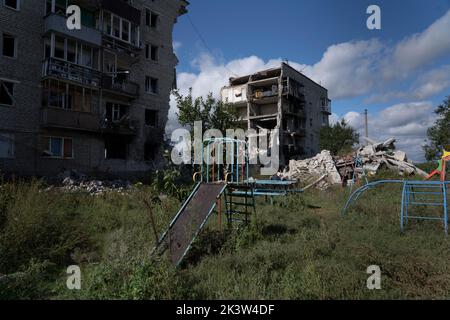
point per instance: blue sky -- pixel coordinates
(399, 73)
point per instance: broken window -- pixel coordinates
(6, 93)
(151, 19)
(6, 146)
(151, 52)
(151, 118)
(57, 147)
(13, 4)
(57, 95)
(151, 151)
(71, 51)
(59, 48)
(9, 45)
(151, 85)
(126, 30)
(115, 112)
(116, 148)
(154, 53)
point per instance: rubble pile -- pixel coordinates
(323, 170)
(72, 181)
(320, 170)
(376, 155)
(95, 187)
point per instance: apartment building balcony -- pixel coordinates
(297, 133)
(69, 119)
(121, 87)
(64, 70)
(124, 127)
(58, 23)
(121, 46)
(326, 108)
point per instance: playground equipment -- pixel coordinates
(442, 169)
(415, 194)
(224, 174)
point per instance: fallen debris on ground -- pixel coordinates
(324, 171)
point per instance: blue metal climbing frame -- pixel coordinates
(415, 194)
(425, 194)
(226, 159)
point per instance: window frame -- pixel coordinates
(150, 91)
(149, 19)
(11, 8)
(15, 45)
(63, 140)
(14, 83)
(156, 123)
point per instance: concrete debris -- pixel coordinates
(324, 171)
(71, 181)
(376, 155)
(321, 168)
(95, 187)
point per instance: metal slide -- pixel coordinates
(190, 220)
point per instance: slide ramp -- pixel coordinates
(191, 219)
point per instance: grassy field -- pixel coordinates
(304, 250)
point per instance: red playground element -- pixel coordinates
(442, 169)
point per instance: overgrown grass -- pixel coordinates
(301, 249)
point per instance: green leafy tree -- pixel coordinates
(339, 138)
(213, 113)
(439, 133)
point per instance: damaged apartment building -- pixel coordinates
(90, 100)
(285, 99)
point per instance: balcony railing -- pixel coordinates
(72, 72)
(69, 119)
(126, 126)
(121, 46)
(123, 87)
(327, 108)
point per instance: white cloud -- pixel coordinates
(347, 69)
(177, 46)
(422, 48)
(427, 85)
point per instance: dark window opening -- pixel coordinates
(115, 112)
(116, 148)
(14, 4)
(151, 151)
(154, 53)
(151, 118)
(6, 93)
(151, 85)
(151, 19)
(151, 52)
(9, 46)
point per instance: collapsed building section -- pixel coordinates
(282, 98)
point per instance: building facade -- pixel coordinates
(91, 100)
(282, 98)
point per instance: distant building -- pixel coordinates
(284, 99)
(92, 100)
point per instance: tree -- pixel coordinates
(439, 133)
(339, 138)
(213, 113)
